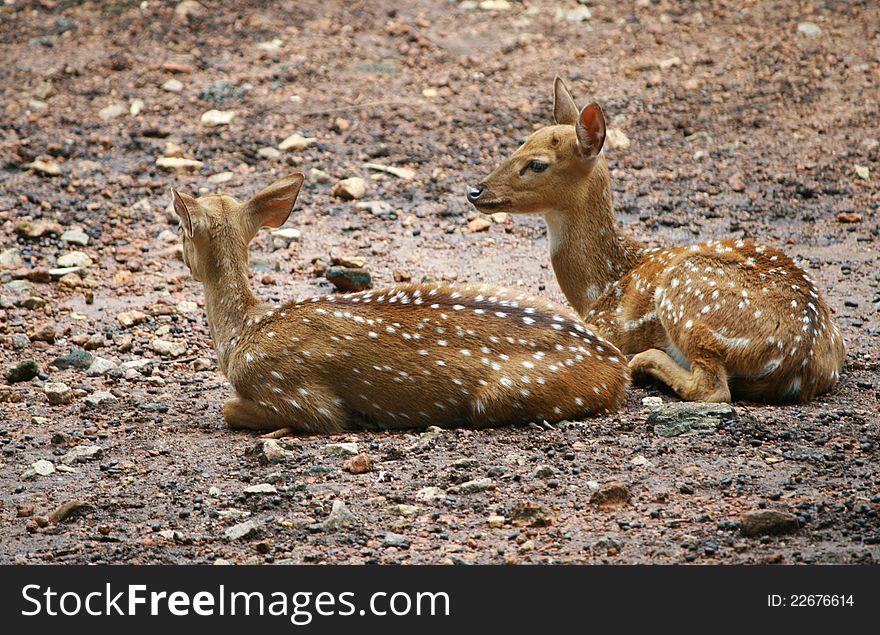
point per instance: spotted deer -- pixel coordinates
(408, 356)
(710, 320)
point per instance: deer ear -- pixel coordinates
(565, 111)
(272, 206)
(590, 129)
(183, 207)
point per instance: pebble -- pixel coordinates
(676, 418)
(38, 468)
(430, 493)
(395, 540)
(296, 142)
(376, 208)
(319, 176)
(58, 393)
(81, 454)
(282, 238)
(242, 530)
(76, 358)
(405, 174)
(179, 164)
(61, 272)
(809, 29)
(768, 522)
(339, 518)
(495, 521)
(529, 514)
(360, 464)
(202, 364)
(862, 171)
(75, 259)
(472, 487)
(611, 495)
(20, 341)
(221, 177)
(46, 168)
(615, 139)
(495, 5)
(75, 237)
(407, 511)
(98, 397)
(24, 370)
(350, 189)
(173, 85)
(169, 349)
(100, 366)
(652, 402)
(213, 118)
(579, 14)
(340, 449)
(131, 318)
(112, 111)
(10, 257)
(261, 488)
(347, 279)
(269, 153)
(187, 307)
(479, 224)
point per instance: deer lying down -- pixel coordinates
(708, 320)
(405, 357)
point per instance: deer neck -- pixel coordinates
(228, 299)
(588, 250)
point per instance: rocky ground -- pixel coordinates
(756, 119)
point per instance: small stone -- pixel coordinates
(20, 341)
(809, 29)
(611, 495)
(348, 280)
(340, 449)
(202, 364)
(22, 371)
(81, 454)
(112, 111)
(62, 272)
(400, 275)
(296, 142)
(406, 174)
(242, 530)
(187, 307)
(76, 358)
(849, 217)
(360, 464)
(579, 14)
(652, 402)
(75, 259)
(528, 545)
(189, 9)
(178, 164)
(499, 218)
(862, 171)
(10, 257)
(544, 471)
(135, 107)
(319, 176)
(339, 518)
(674, 419)
(529, 514)
(615, 139)
(395, 540)
(736, 182)
(221, 177)
(75, 237)
(350, 189)
(38, 468)
(768, 522)
(213, 118)
(173, 85)
(46, 168)
(44, 333)
(269, 153)
(99, 367)
(495, 5)
(131, 318)
(479, 224)
(58, 393)
(269, 451)
(98, 397)
(169, 349)
(376, 208)
(430, 493)
(272, 46)
(30, 229)
(261, 488)
(472, 487)
(495, 521)
(282, 238)
(407, 511)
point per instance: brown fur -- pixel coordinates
(707, 320)
(404, 357)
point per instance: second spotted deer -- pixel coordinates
(711, 320)
(408, 356)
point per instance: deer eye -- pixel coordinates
(538, 166)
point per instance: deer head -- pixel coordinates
(213, 224)
(539, 176)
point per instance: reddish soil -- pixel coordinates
(741, 124)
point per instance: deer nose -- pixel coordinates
(474, 192)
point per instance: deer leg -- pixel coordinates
(244, 413)
(706, 381)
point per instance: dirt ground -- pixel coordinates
(749, 119)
